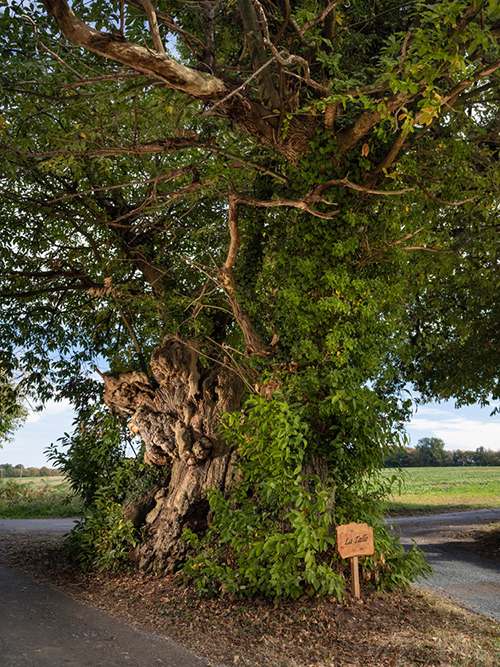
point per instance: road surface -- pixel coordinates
(41, 627)
(467, 579)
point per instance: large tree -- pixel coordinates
(267, 218)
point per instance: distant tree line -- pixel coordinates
(9, 470)
(431, 452)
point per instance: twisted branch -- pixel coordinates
(227, 279)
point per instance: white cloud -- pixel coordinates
(466, 429)
(432, 411)
(51, 409)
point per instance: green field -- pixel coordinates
(37, 497)
(432, 490)
(424, 491)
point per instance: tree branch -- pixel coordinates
(153, 26)
(234, 231)
(450, 99)
(284, 58)
(302, 205)
(38, 292)
(46, 48)
(389, 158)
(254, 75)
(142, 360)
(207, 14)
(426, 192)
(379, 251)
(179, 77)
(154, 147)
(227, 279)
(344, 182)
(186, 37)
(286, 21)
(460, 87)
(173, 174)
(368, 119)
(318, 19)
(256, 41)
(97, 79)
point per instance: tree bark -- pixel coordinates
(178, 422)
(141, 59)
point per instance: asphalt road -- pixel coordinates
(41, 627)
(461, 576)
(36, 526)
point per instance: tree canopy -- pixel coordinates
(431, 451)
(13, 412)
(301, 196)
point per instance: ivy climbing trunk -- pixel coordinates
(177, 416)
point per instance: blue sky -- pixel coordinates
(466, 428)
(37, 433)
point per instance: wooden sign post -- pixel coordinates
(354, 540)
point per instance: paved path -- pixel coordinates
(41, 627)
(472, 582)
(36, 526)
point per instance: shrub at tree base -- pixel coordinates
(274, 534)
(263, 238)
(95, 463)
(104, 537)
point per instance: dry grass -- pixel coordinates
(48, 480)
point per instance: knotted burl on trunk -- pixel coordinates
(178, 421)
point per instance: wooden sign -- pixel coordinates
(354, 540)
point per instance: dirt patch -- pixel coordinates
(405, 629)
(484, 542)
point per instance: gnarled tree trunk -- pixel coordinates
(178, 421)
